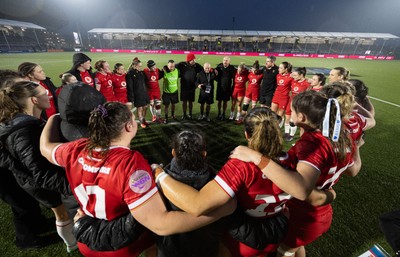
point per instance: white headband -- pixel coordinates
(338, 121)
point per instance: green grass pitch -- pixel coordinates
(359, 201)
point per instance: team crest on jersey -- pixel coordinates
(153, 78)
(140, 181)
(239, 78)
(253, 81)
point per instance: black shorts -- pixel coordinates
(223, 95)
(141, 101)
(188, 95)
(265, 99)
(206, 98)
(170, 98)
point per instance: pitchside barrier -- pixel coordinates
(333, 56)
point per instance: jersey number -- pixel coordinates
(83, 197)
(259, 211)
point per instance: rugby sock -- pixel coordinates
(64, 230)
(287, 128)
(281, 123)
(152, 110)
(293, 130)
(158, 113)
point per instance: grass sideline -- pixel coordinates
(359, 201)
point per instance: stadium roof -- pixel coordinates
(22, 24)
(244, 33)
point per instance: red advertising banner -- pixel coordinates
(333, 56)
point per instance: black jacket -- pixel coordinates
(188, 74)
(136, 88)
(226, 77)
(20, 138)
(77, 74)
(205, 78)
(268, 84)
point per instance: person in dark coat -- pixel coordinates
(225, 78)
(137, 90)
(27, 217)
(20, 128)
(205, 82)
(268, 84)
(188, 72)
(82, 69)
(189, 166)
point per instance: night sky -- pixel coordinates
(272, 15)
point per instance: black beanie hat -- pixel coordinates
(150, 63)
(79, 58)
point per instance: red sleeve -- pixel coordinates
(231, 177)
(139, 184)
(310, 152)
(62, 153)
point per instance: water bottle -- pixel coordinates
(375, 251)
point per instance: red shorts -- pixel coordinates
(288, 110)
(122, 99)
(134, 249)
(238, 92)
(239, 249)
(154, 94)
(305, 226)
(252, 93)
(281, 101)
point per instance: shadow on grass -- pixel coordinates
(154, 142)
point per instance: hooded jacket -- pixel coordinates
(77, 60)
(20, 138)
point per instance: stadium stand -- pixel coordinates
(245, 41)
(17, 36)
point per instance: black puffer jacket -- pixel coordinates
(136, 88)
(20, 138)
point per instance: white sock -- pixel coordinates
(281, 123)
(64, 230)
(287, 128)
(158, 113)
(293, 131)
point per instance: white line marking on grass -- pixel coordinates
(383, 101)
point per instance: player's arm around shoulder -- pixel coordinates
(50, 137)
(154, 215)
